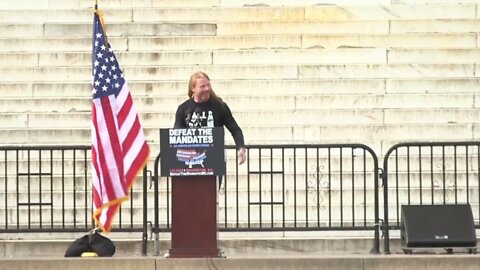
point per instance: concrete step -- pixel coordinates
(83, 59)
(254, 57)
(55, 44)
(348, 27)
(310, 13)
(235, 245)
(297, 116)
(264, 260)
(46, 4)
(243, 28)
(432, 56)
(392, 40)
(305, 27)
(224, 87)
(236, 42)
(299, 103)
(185, 58)
(248, 13)
(407, 116)
(11, 30)
(275, 134)
(248, 87)
(283, 72)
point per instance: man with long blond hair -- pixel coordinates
(205, 109)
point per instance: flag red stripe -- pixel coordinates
(137, 164)
(104, 173)
(132, 135)
(125, 110)
(112, 130)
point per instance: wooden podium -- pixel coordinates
(193, 158)
(194, 217)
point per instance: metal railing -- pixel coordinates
(48, 189)
(424, 173)
(280, 188)
(291, 188)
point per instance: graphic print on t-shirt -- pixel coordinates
(199, 119)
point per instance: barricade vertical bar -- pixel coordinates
(63, 188)
(408, 176)
(17, 188)
(341, 186)
(353, 187)
(455, 172)
(306, 187)
(74, 190)
(40, 186)
(260, 208)
(248, 189)
(386, 239)
(317, 172)
(468, 174)
(396, 185)
(271, 187)
(444, 177)
(237, 208)
(295, 187)
(329, 188)
(283, 187)
(375, 171)
(432, 187)
(478, 174)
(156, 207)
(145, 213)
(87, 214)
(29, 190)
(6, 187)
(51, 188)
(420, 175)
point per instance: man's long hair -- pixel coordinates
(191, 85)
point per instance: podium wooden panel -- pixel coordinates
(194, 217)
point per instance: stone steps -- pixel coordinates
(274, 134)
(247, 87)
(293, 116)
(248, 103)
(306, 27)
(249, 13)
(254, 57)
(297, 40)
(244, 71)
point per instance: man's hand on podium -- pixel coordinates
(242, 156)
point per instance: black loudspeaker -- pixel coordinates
(437, 226)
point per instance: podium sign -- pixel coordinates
(192, 151)
(193, 157)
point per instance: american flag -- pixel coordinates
(119, 148)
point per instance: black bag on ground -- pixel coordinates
(78, 247)
(101, 245)
(92, 242)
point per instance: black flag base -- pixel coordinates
(92, 244)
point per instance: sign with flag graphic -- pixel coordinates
(119, 148)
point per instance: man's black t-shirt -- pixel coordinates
(208, 114)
